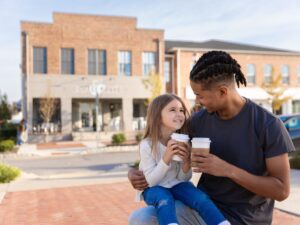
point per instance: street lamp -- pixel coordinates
(95, 90)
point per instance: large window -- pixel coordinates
(39, 122)
(251, 73)
(67, 61)
(149, 65)
(285, 74)
(124, 59)
(167, 71)
(96, 62)
(268, 69)
(39, 60)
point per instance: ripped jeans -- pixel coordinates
(163, 199)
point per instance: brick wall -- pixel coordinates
(82, 32)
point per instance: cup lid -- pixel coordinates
(200, 139)
(180, 137)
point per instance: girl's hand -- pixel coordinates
(185, 155)
(185, 152)
(172, 149)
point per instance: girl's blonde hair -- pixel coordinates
(154, 120)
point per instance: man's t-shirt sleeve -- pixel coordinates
(276, 140)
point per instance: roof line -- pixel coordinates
(235, 51)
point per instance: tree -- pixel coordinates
(276, 89)
(47, 109)
(154, 83)
(5, 113)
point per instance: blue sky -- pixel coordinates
(272, 23)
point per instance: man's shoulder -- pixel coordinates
(260, 113)
(262, 119)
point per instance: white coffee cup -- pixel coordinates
(181, 139)
(201, 144)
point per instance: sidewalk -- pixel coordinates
(103, 204)
(22, 196)
(69, 148)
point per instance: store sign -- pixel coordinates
(95, 89)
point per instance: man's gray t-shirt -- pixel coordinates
(244, 141)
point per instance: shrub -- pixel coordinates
(136, 164)
(6, 145)
(118, 138)
(295, 162)
(8, 131)
(8, 173)
(139, 137)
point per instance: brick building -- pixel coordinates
(68, 58)
(76, 55)
(258, 64)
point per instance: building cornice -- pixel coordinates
(235, 51)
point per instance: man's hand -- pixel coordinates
(137, 179)
(210, 164)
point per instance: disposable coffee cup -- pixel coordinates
(182, 140)
(200, 144)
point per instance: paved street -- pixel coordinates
(74, 164)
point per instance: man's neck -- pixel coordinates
(232, 108)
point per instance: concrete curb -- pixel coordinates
(2, 195)
(66, 152)
(3, 191)
(288, 212)
(30, 181)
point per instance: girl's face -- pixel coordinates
(172, 116)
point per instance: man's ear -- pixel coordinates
(223, 91)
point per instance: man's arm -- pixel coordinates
(275, 185)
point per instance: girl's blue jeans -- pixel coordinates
(163, 199)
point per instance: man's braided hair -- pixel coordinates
(215, 67)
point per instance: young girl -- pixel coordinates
(168, 179)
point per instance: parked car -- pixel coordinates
(292, 124)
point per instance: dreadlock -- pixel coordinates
(217, 66)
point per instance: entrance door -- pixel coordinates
(86, 116)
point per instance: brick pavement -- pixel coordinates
(104, 204)
(59, 145)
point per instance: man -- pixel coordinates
(248, 167)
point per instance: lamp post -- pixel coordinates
(95, 90)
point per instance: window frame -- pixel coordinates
(149, 63)
(39, 66)
(68, 64)
(100, 62)
(285, 74)
(251, 73)
(268, 74)
(124, 67)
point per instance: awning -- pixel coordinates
(254, 93)
(294, 93)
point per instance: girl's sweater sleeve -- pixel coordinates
(154, 172)
(184, 176)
